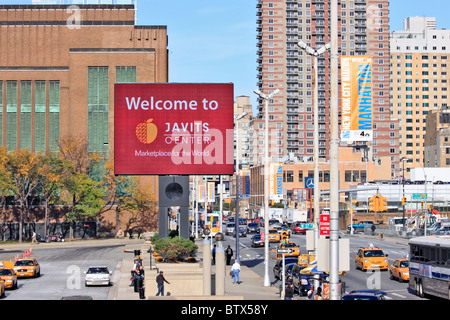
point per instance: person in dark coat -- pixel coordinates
(229, 253)
(160, 282)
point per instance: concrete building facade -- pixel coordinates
(420, 76)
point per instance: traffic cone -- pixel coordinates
(21, 255)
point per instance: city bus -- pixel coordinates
(429, 267)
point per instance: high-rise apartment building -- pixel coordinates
(241, 105)
(281, 24)
(437, 139)
(420, 76)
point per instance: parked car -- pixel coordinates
(360, 226)
(252, 227)
(98, 276)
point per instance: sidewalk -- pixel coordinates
(250, 288)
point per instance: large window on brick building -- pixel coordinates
(39, 115)
(98, 109)
(11, 115)
(25, 115)
(1, 113)
(126, 75)
(54, 115)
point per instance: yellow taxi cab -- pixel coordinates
(274, 236)
(371, 257)
(2, 288)
(400, 270)
(290, 245)
(27, 267)
(8, 275)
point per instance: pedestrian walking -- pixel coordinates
(311, 293)
(229, 253)
(214, 255)
(236, 268)
(373, 229)
(160, 282)
(289, 291)
(33, 237)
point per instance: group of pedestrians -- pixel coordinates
(137, 273)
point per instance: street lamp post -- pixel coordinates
(266, 183)
(236, 217)
(315, 54)
(403, 160)
(334, 151)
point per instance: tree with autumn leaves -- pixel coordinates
(84, 183)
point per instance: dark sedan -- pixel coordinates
(256, 241)
(278, 267)
(252, 227)
(241, 232)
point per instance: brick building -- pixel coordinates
(58, 67)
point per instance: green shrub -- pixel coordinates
(174, 249)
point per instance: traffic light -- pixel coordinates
(403, 201)
(382, 204)
(423, 204)
(374, 203)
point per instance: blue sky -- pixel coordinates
(215, 41)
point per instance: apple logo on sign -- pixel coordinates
(146, 132)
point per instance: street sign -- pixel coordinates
(244, 196)
(284, 250)
(324, 224)
(309, 183)
(419, 196)
(306, 226)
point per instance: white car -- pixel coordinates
(99, 276)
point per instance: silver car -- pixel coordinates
(98, 276)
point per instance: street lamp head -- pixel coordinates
(240, 116)
(302, 45)
(259, 93)
(274, 93)
(323, 49)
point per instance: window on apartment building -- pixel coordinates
(98, 109)
(348, 176)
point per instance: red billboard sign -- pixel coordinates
(168, 128)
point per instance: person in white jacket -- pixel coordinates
(236, 268)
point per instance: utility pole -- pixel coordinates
(266, 98)
(334, 153)
(315, 54)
